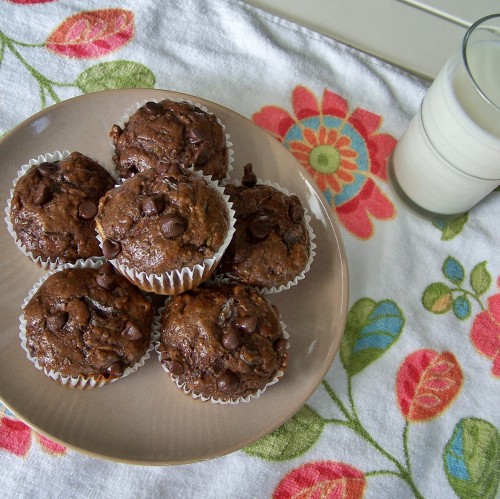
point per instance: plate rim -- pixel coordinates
(343, 272)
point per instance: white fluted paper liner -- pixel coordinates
(48, 263)
(81, 382)
(179, 280)
(134, 107)
(312, 244)
(188, 391)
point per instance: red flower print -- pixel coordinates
(322, 479)
(485, 332)
(344, 154)
(92, 34)
(29, 2)
(16, 437)
(427, 383)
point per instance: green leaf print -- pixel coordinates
(371, 328)
(472, 459)
(440, 297)
(451, 228)
(480, 279)
(292, 439)
(115, 74)
(437, 298)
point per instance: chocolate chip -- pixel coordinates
(42, 194)
(259, 228)
(153, 108)
(106, 268)
(87, 210)
(227, 382)
(231, 339)
(116, 369)
(56, 322)
(110, 248)
(296, 213)
(249, 178)
(195, 135)
(247, 324)
(153, 205)
(173, 226)
(131, 331)
(106, 281)
(175, 367)
(280, 345)
(45, 169)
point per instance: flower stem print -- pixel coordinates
(84, 35)
(427, 383)
(453, 295)
(441, 297)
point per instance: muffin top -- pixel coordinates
(88, 322)
(53, 208)
(224, 341)
(175, 132)
(271, 244)
(162, 219)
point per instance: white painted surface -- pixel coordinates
(418, 36)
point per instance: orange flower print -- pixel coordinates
(344, 154)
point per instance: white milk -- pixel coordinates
(449, 157)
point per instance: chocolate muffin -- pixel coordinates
(89, 324)
(271, 246)
(175, 132)
(53, 207)
(165, 220)
(224, 342)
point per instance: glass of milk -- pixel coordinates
(449, 157)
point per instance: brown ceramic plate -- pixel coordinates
(145, 418)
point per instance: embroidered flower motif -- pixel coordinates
(342, 151)
(427, 383)
(485, 332)
(330, 479)
(16, 437)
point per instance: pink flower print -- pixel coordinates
(427, 383)
(322, 479)
(16, 437)
(342, 151)
(92, 34)
(485, 332)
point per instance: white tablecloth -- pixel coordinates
(410, 405)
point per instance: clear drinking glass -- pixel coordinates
(448, 159)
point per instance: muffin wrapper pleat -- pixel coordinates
(229, 145)
(81, 382)
(44, 263)
(312, 245)
(179, 280)
(188, 391)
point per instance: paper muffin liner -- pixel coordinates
(44, 263)
(312, 245)
(189, 391)
(81, 382)
(127, 113)
(179, 280)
